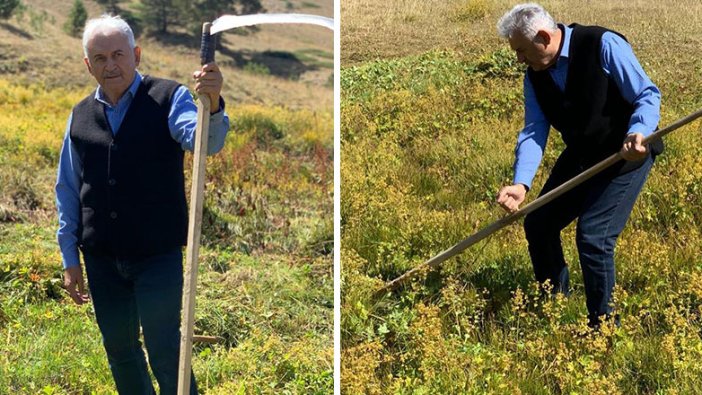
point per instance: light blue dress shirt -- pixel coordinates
(618, 62)
(182, 121)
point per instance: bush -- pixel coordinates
(7, 7)
(76, 19)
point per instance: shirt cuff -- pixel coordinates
(221, 108)
(639, 127)
(70, 258)
(523, 179)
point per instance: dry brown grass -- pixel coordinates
(51, 57)
(393, 28)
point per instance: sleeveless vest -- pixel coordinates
(591, 114)
(132, 196)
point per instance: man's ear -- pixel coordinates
(87, 64)
(542, 37)
(137, 55)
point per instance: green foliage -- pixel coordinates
(157, 15)
(427, 141)
(110, 6)
(7, 7)
(265, 284)
(76, 19)
(257, 68)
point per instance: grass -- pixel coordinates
(428, 131)
(266, 273)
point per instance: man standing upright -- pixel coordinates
(121, 201)
(585, 82)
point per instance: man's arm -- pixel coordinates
(182, 118)
(68, 205)
(620, 63)
(531, 143)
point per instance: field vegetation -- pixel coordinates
(431, 107)
(265, 284)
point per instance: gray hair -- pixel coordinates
(526, 19)
(107, 22)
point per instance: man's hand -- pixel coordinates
(632, 148)
(511, 196)
(73, 281)
(208, 81)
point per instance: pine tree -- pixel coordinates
(111, 6)
(7, 7)
(76, 19)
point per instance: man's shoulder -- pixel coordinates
(593, 32)
(152, 82)
(160, 89)
(87, 100)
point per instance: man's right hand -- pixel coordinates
(511, 196)
(73, 281)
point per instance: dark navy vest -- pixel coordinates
(132, 196)
(591, 114)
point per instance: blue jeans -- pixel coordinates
(146, 292)
(602, 206)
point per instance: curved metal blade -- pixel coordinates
(226, 22)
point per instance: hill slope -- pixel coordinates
(431, 107)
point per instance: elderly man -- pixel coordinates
(585, 82)
(121, 201)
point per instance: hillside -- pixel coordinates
(265, 285)
(34, 49)
(431, 107)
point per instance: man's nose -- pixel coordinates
(110, 63)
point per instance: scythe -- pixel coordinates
(207, 48)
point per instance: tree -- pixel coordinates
(76, 19)
(199, 11)
(111, 6)
(158, 15)
(7, 7)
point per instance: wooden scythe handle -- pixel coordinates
(194, 222)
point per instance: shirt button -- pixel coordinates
(113, 215)
(112, 182)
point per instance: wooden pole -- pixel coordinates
(194, 223)
(546, 198)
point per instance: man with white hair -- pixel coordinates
(585, 82)
(121, 201)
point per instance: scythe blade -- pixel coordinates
(226, 22)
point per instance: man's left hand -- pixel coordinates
(208, 81)
(633, 149)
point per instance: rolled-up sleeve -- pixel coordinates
(532, 138)
(182, 122)
(620, 63)
(68, 200)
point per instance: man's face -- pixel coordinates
(537, 53)
(112, 62)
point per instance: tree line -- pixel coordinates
(152, 16)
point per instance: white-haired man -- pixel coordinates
(585, 82)
(121, 201)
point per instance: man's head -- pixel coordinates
(111, 54)
(532, 34)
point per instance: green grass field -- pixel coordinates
(431, 107)
(265, 283)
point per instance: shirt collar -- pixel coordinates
(565, 49)
(131, 92)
